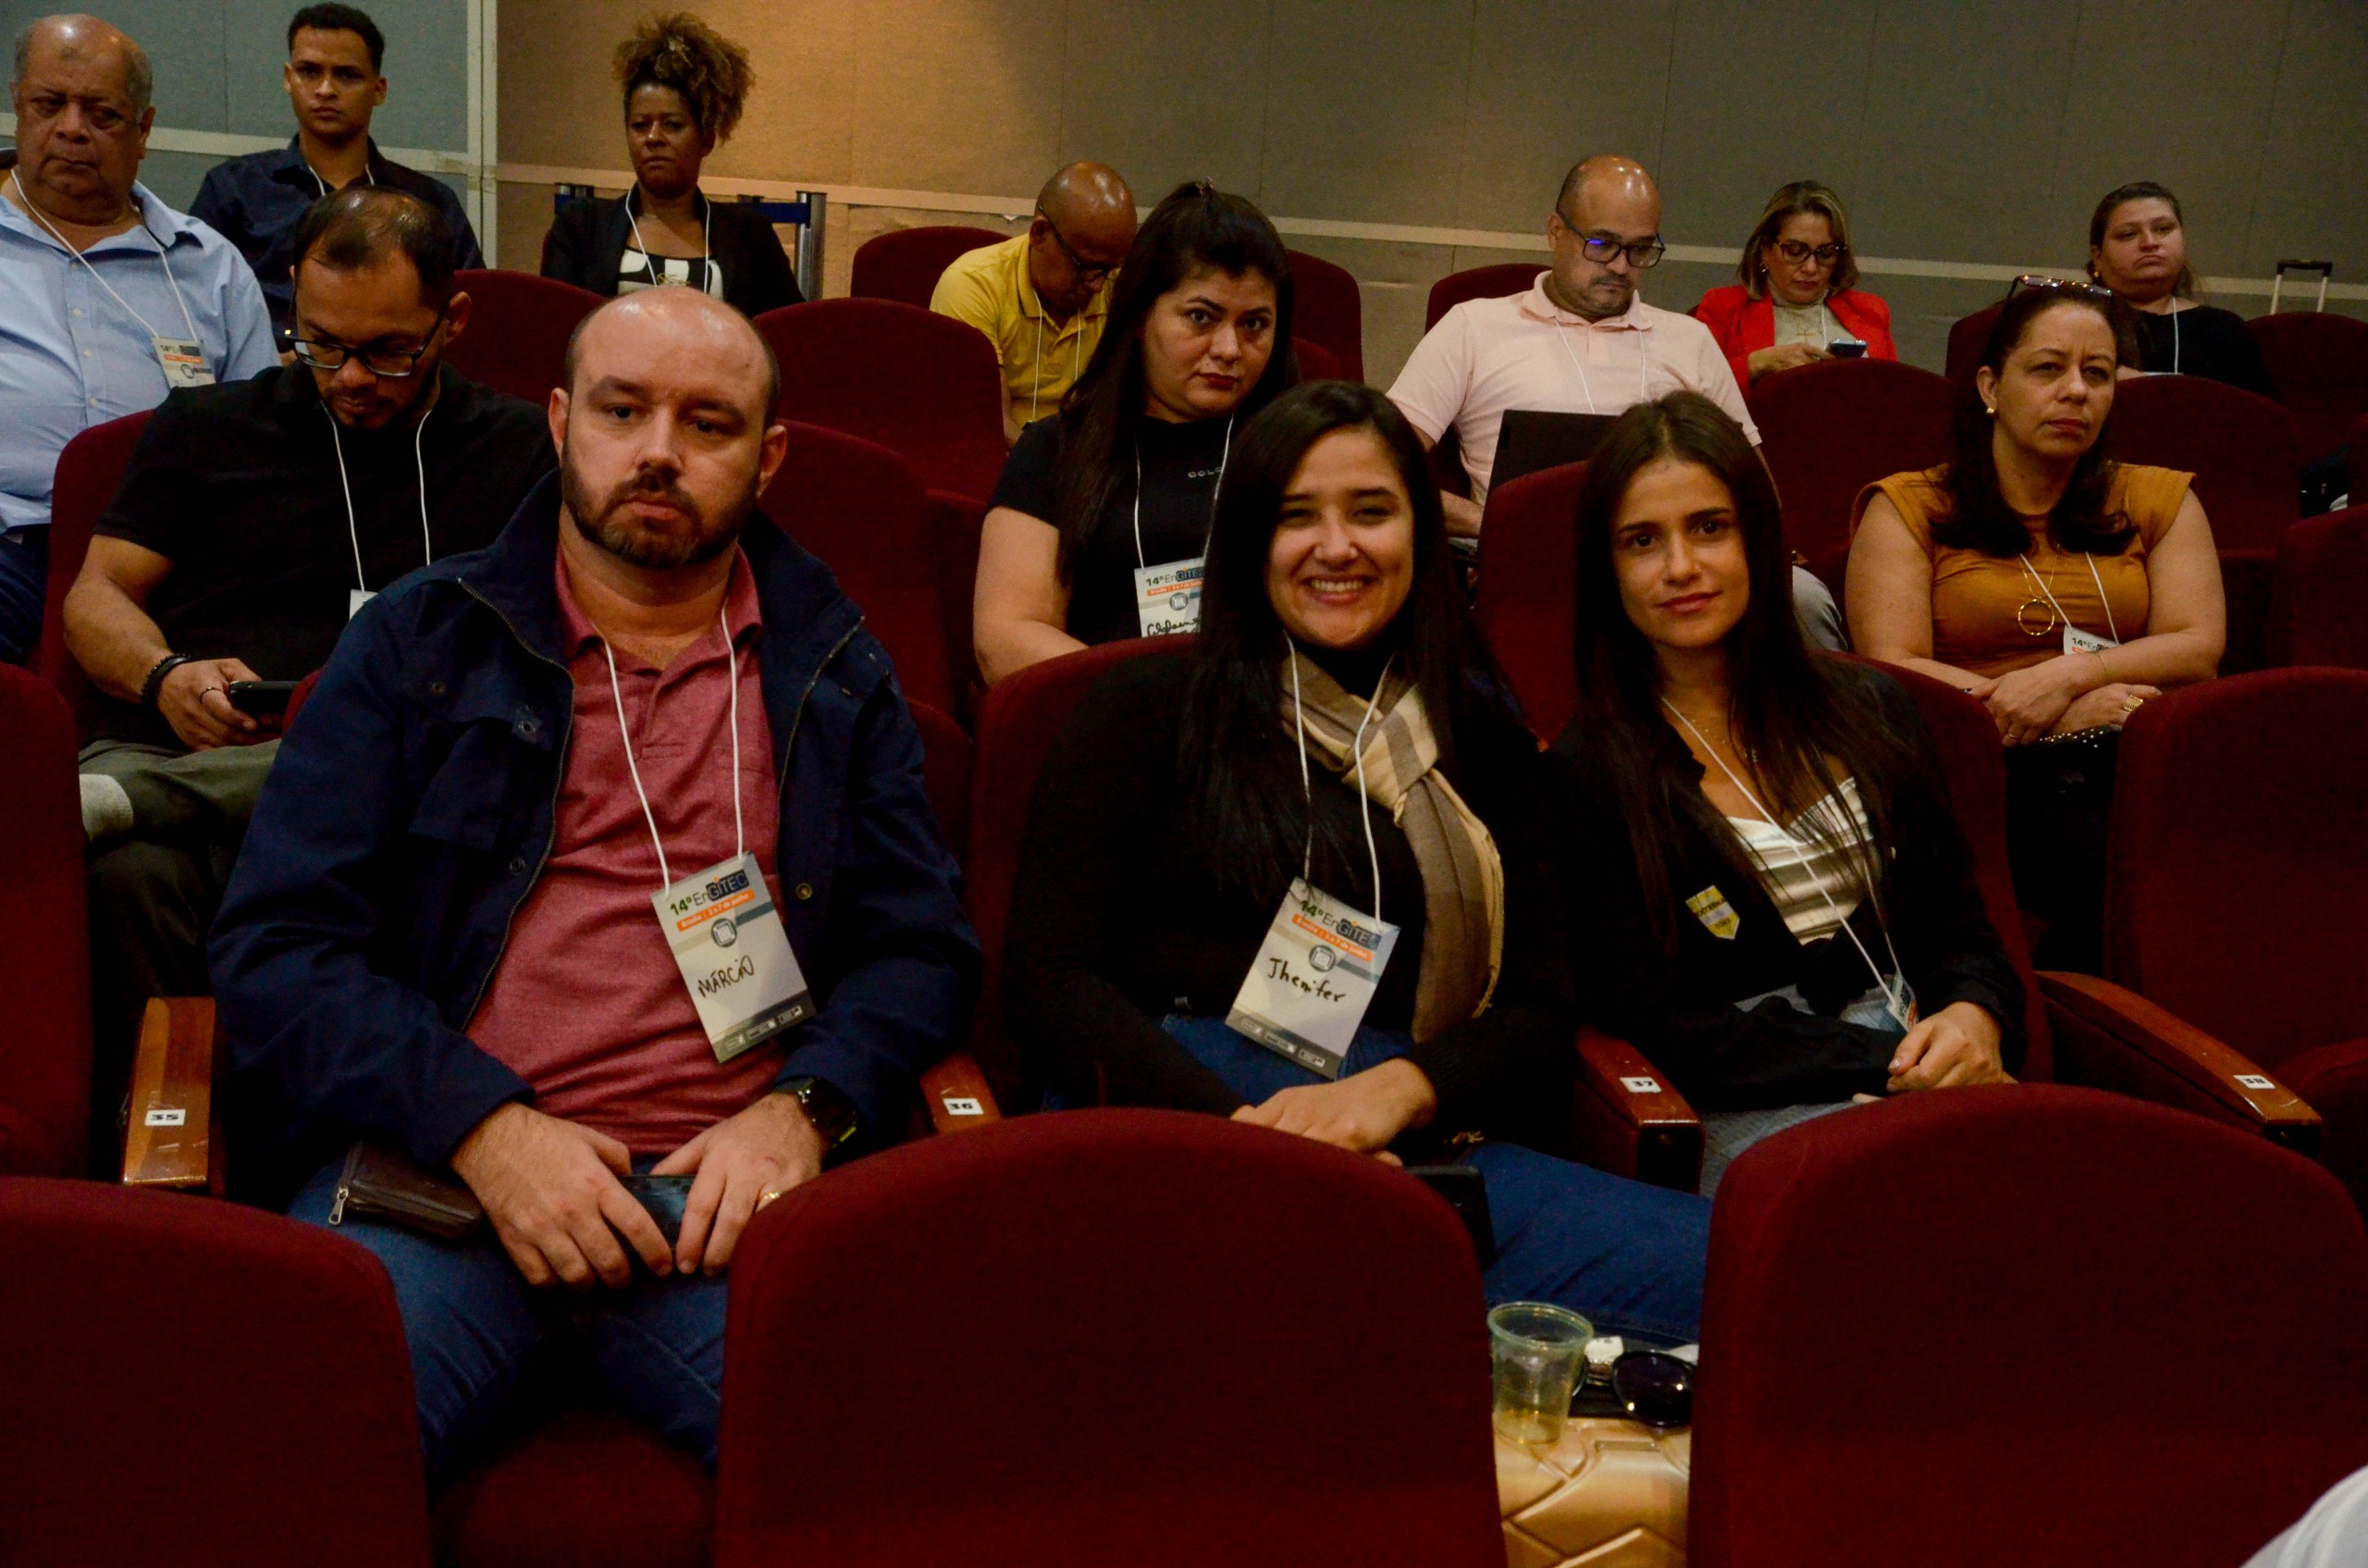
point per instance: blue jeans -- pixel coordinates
(474, 1325)
(1627, 1257)
(24, 583)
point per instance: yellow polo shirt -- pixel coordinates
(1041, 357)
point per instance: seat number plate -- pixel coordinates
(175, 1116)
(2255, 1080)
(962, 1105)
(1641, 1085)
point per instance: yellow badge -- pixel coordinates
(1710, 907)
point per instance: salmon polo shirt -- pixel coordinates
(586, 1004)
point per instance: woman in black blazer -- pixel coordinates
(685, 85)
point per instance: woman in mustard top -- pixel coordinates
(2060, 588)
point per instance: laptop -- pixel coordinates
(1530, 440)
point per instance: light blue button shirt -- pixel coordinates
(71, 356)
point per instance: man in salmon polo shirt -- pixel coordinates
(599, 852)
(1580, 340)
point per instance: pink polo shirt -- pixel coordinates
(1486, 356)
(586, 1003)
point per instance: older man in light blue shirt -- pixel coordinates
(108, 298)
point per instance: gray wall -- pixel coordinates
(1957, 131)
(217, 68)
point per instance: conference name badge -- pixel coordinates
(1314, 976)
(1167, 598)
(727, 939)
(183, 362)
(1718, 916)
(355, 598)
(2077, 641)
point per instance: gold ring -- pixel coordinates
(767, 1197)
(2132, 704)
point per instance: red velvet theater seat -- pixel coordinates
(2318, 362)
(89, 472)
(905, 265)
(1328, 310)
(1528, 589)
(198, 1384)
(588, 1490)
(924, 385)
(1831, 429)
(44, 937)
(1494, 282)
(2233, 887)
(2023, 1324)
(2319, 592)
(1089, 1337)
(519, 326)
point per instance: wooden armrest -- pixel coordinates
(1631, 1121)
(174, 1137)
(2109, 1037)
(956, 1095)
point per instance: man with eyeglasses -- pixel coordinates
(1042, 297)
(254, 519)
(1580, 341)
(108, 298)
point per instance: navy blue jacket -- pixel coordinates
(412, 808)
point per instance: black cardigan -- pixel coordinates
(1115, 923)
(586, 243)
(1680, 1011)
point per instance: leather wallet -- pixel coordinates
(381, 1184)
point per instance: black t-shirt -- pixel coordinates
(2203, 341)
(1180, 466)
(237, 486)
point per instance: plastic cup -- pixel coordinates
(1538, 1347)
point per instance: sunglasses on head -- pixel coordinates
(2096, 291)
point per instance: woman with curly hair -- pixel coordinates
(684, 86)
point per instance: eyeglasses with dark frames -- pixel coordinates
(1088, 273)
(1794, 252)
(389, 365)
(1643, 254)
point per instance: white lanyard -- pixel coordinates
(352, 529)
(2174, 337)
(1644, 362)
(650, 257)
(324, 184)
(2026, 559)
(739, 832)
(1077, 346)
(1882, 982)
(1357, 745)
(162, 260)
(1224, 457)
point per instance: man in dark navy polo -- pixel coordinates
(333, 83)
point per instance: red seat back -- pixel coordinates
(2104, 1295)
(519, 326)
(2233, 880)
(1113, 1332)
(924, 385)
(1022, 716)
(1831, 429)
(955, 524)
(199, 1383)
(856, 506)
(2319, 364)
(1966, 337)
(2320, 585)
(2359, 463)
(947, 763)
(1492, 282)
(1327, 309)
(1318, 362)
(2239, 445)
(1527, 600)
(45, 936)
(590, 1490)
(90, 470)
(905, 265)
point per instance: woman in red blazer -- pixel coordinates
(1798, 292)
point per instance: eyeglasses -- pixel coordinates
(1087, 272)
(2096, 291)
(389, 365)
(1795, 252)
(1653, 1388)
(1643, 254)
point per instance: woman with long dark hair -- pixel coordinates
(1298, 874)
(1099, 525)
(2060, 588)
(1788, 914)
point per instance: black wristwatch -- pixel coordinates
(832, 1114)
(156, 673)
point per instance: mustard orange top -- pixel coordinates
(1989, 615)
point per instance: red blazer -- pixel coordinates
(1743, 326)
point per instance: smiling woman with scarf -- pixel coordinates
(1296, 875)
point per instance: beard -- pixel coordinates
(606, 521)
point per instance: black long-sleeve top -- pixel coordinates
(1117, 922)
(1678, 1010)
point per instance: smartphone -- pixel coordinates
(262, 699)
(1467, 1194)
(1845, 348)
(665, 1198)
